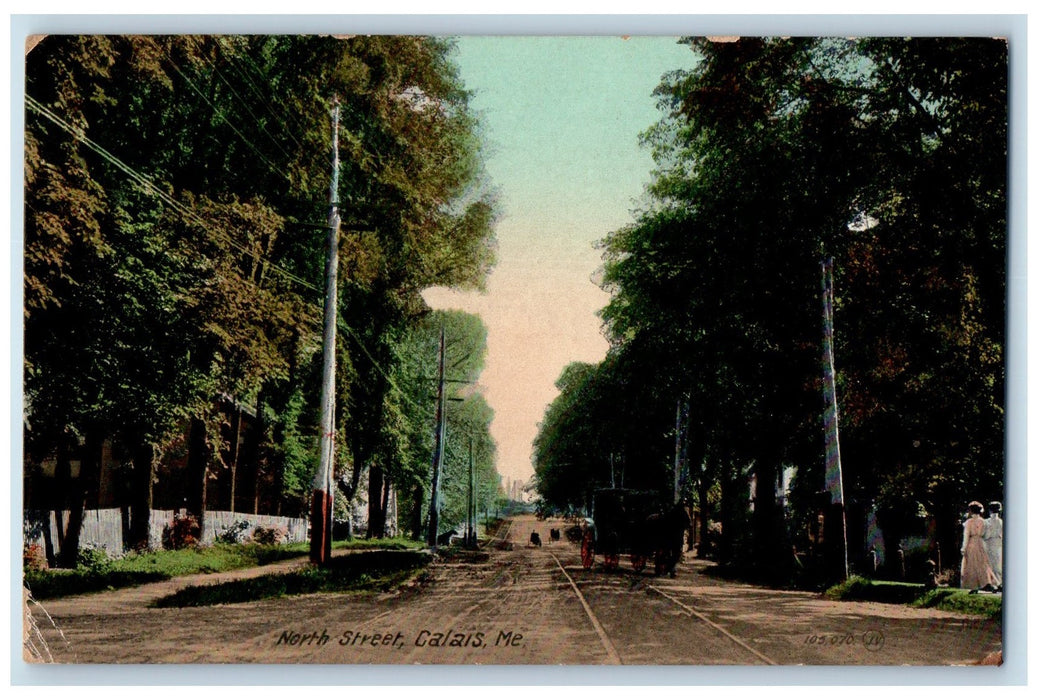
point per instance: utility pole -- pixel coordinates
(677, 450)
(434, 505)
(680, 446)
(321, 500)
(471, 513)
(835, 516)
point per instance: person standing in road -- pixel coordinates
(993, 541)
(976, 571)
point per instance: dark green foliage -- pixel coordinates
(98, 571)
(857, 588)
(176, 191)
(65, 582)
(361, 571)
(887, 154)
(916, 595)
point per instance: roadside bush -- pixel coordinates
(182, 532)
(34, 558)
(269, 535)
(94, 558)
(238, 533)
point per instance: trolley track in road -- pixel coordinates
(614, 656)
(692, 612)
(684, 609)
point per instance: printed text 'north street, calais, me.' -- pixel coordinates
(398, 640)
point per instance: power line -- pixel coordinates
(148, 186)
(252, 114)
(266, 99)
(273, 168)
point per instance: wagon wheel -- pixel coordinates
(612, 561)
(587, 550)
(638, 561)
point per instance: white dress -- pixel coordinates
(993, 545)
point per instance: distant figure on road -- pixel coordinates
(976, 571)
(445, 539)
(993, 541)
(535, 539)
(556, 534)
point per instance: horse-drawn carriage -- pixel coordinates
(636, 523)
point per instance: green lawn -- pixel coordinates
(364, 571)
(98, 572)
(916, 595)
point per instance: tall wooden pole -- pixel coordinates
(471, 514)
(321, 502)
(434, 503)
(678, 428)
(833, 467)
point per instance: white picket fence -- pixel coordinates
(104, 527)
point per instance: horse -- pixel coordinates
(663, 535)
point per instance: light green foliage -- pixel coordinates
(176, 190)
(468, 415)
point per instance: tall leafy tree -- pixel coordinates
(173, 249)
(887, 154)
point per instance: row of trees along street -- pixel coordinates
(888, 155)
(176, 199)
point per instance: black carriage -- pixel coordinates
(625, 521)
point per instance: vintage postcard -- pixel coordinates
(397, 349)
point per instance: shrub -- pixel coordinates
(94, 558)
(238, 533)
(182, 532)
(34, 558)
(269, 535)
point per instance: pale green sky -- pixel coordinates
(561, 118)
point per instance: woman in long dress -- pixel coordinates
(976, 571)
(993, 541)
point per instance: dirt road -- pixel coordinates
(526, 605)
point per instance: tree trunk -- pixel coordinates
(232, 455)
(84, 488)
(252, 458)
(376, 502)
(418, 497)
(62, 484)
(48, 543)
(198, 469)
(387, 487)
(733, 512)
(768, 553)
(142, 496)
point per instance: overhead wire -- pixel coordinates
(255, 118)
(223, 116)
(286, 116)
(146, 184)
(149, 187)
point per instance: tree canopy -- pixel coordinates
(888, 155)
(176, 197)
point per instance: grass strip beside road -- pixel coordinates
(364, 571)
(918, 596)
(99, 572)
